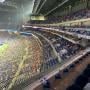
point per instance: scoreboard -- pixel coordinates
(37, 18)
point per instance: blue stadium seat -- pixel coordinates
(58, 76)
(72, 66)
(65, 71)
(76, 62)
(47, 84)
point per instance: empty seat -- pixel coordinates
(72, 66)
(46, 84)
(76, 62)
(50, 64)
(81, 59)
(54, 61)
(65, 70)
(58, 76)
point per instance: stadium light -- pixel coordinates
(2, 1)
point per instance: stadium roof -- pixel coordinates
(46, 7)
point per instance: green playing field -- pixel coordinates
(3, 48)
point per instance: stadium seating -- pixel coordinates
(82, 14)
(77, 31)
(73, 29)
(49, 61)
(64, 47)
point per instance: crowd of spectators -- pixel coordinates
(77, 31)
(49, 60)
(82, 14)
(64, 47)
(65, 29)
(21, 49)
